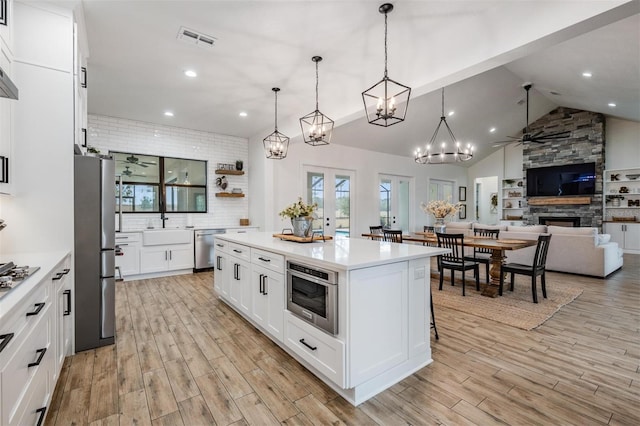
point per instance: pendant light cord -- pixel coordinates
(276, 118)
(385, 44)
(317, 85)
(442, 116)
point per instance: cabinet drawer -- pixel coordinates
(32, 407)
(19, 323)
(221, 245)
(322, 351)
(272, 261)
(240, 251)
(36, 350)
(128, 237)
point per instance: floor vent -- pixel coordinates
(189, 36)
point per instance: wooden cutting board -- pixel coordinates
(291, 237)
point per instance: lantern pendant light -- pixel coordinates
(386, 102)
(316, 127)
(276, 144)
(446, 154)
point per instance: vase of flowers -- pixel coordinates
(440, 210)
(301, 215)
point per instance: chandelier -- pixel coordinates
(276, 144)
(316, 127)
(446, 154)
(386, 102)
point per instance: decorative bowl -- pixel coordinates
(633, 176)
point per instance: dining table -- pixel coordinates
(498, 249)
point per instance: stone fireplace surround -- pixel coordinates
(586, 144)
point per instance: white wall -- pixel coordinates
(283, 181)
(487, 186)
(122, 135)
(622, 149)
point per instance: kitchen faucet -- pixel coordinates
(163, 218)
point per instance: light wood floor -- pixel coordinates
(183, 357)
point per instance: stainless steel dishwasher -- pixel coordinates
(204, 248)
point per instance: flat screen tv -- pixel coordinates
(572, 179)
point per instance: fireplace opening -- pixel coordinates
(571, 222)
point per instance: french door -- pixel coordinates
(331, 189)
(395, 201)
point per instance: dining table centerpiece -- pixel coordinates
(440, 209)
(301, 215)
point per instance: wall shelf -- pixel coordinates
(558, 201)
(230, 172)
(229, 195)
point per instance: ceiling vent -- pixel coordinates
(189, 36)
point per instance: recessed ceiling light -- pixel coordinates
(612, 105)
(451, 113)
(587, 74)
(492, 130)
(190, 73)
(242, 114)
(168, 113)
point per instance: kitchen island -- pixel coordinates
(381, 309)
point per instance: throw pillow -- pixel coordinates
(603, 238)
(572, 231)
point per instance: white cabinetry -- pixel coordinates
(166, 258)
(6, 127)
(240, 274)
(513, 199)
(627, 235)
(268, 291)
(35, 335)
(128, 253)
(221, 279)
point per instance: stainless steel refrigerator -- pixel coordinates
(94, 207)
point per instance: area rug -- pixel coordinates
(512, 308)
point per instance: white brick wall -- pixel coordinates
(122, 135)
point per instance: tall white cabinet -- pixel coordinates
(6, 105)
(622, 207)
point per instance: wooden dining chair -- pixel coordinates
(480, 254)
(392, 235)
(428, 228)
(538, 268)
(455, 261)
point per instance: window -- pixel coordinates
(153, 184)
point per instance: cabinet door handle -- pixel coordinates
(218, 263)
(39, 307)
(264, 260)
(6, 338)
(67, 311)
(220, 245)
(65, 271)
(170, 254)
(165, 255)
(4, 163)
(83, 82)
(41, 412)
(39, 360)
(58, 276)
(260, 283)
(237, 251)
(264, 285)
(313, 348)
(84, 137)
(236, 271)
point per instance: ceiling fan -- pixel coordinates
(129, 173)
(527, 136)
(132, 159)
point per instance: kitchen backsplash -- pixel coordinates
(122, 135)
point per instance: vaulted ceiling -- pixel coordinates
(481, 51)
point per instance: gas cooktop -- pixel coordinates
(12, 275)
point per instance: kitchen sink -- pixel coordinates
(159, 237)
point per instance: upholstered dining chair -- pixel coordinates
(428, 228)
(392, 235)
(483, 255)
(538, 268)
(455, 261)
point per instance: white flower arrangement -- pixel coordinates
(440, 208)
(299, 209)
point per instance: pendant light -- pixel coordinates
(447, 153)
(386, 102)
(316, 127)
(276, 144)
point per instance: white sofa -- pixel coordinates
(573, 250)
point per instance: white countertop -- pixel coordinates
(197, 228)
(343, 253)
(46, 261)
